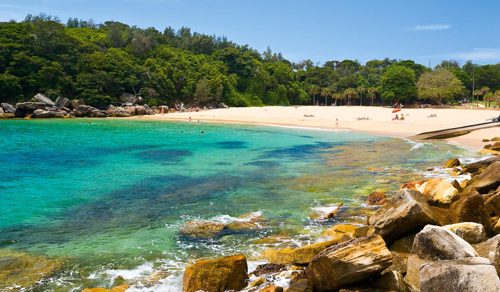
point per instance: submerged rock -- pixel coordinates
(348, 263)
(438, 243)
(202, 229)
(341, 231)
(23, 269)
(376, 198)
(301, 255)
(121, 288)
(465, 275)
(217, 275)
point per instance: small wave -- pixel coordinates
(415, 145)
(131, 274)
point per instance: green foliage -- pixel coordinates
(439, 85)
(100, 62)
(398, 84)
(10, 89)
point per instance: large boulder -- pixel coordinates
(412, 277)
(24, 270)
(149, 111)
(118, 111)
(47, 114)
(470, 209)
(8, 108)
(27, 108)
(406, 213)
(487, 180)
(347, 263)
(217, 275)
(437, 243)
(438, 191)
(62, 102)
(464, 275)
(74, 103)
(476, 167)
(469, 231)
(492, 205)
(490, 249)
(44, 99)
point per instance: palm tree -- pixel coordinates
(482, 92)
(350, 93)
(361, 90)
(313, 90)
(372, 93)
(326, 92)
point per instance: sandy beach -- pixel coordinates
(380, 119)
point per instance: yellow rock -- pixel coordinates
(23, 269)
(217, 275)
(257, 282)
(438, 190)
(340, 230)
(95, 290)
(120, 288)
(301, 255)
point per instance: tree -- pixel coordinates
(398, 84)
(439, 86)
(350, 93)
(313, 90)
(482, 92)
(372, 94)
(202, 94)
(10, 90)
(326, 93)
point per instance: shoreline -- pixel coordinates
(380, 121)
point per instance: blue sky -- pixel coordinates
(324, 30)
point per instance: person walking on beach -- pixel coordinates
(337, 123)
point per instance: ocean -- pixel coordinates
(109, 196)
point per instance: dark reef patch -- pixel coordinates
(231, 144)
(164, 155)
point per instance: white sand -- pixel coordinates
(380, 123)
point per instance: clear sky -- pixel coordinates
(319, 30)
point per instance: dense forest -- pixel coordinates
(100, 62)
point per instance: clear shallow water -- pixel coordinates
(110, 195)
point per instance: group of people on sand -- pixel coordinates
(399, 118)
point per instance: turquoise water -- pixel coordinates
(110, 195)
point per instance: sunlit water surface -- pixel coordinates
(109, 196)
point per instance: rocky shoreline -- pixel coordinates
(42, 107)
(431, 235)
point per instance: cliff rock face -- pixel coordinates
(217, 275)
(348, 263)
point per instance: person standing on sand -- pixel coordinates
(337, 123)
